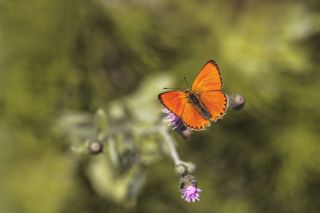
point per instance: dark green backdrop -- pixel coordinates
(58, 56)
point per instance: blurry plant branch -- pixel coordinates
(129, 137)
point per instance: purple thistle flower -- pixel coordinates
(175, 121)
(191, 193)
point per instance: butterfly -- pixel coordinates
(203, 103)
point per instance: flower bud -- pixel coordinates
(181, 169)
(95, 147)
(186, 134)
(236, 101)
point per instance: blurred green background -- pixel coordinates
(79, 55)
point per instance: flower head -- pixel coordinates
(191, 193)
(175, 121)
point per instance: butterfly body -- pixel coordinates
(203, 103)
(194, 99)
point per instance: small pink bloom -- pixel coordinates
(191, 193)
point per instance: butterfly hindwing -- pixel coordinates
(208, 79)
(215, 102)
(193, 119)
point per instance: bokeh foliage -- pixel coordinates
(79, 55)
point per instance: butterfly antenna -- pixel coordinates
(170, 88)
(185, 79)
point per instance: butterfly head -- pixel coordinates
(187, 91)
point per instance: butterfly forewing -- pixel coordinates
(208, 79)
(175, 101)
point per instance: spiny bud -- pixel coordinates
(181, 169)
(186, 134)
(95, 147)
(184, 168)
(236, 101)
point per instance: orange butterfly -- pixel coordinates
(205, 102)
